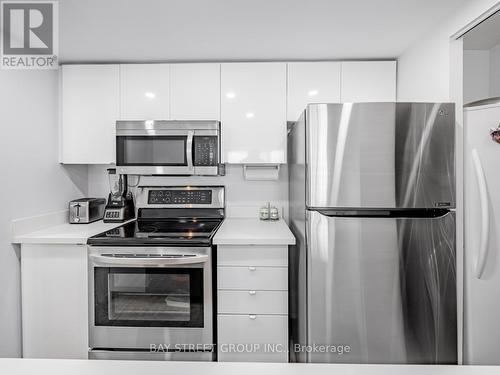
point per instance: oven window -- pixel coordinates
(151, 150)
(148, 297)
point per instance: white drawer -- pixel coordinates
(252, 338)
(252, 302)
(252, 255)
(252, 278)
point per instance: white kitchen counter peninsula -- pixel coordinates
(65, 233)
(85, 367)
(252, 231)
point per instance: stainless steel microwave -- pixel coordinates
(168, 147)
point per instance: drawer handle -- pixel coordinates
(251, 268)
(253, 317)
(252, 292)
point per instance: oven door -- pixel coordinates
(161, 153)
(147, 298)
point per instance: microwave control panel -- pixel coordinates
(205, 151)
(180, 197)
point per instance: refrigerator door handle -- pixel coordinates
(485, 214)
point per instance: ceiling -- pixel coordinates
(205, 30)
(485, 35)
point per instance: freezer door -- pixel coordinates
(372, 155)
(381, 290)
(481, 236)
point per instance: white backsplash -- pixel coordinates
(243, 198)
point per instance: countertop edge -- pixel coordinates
(253, 233)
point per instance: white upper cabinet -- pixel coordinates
(311, 82)
(90, 100)
(145, 91)
(195, 91)
(253, 101)
(253, 113)
(368, 81)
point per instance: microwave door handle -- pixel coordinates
(134, 261)
(189, 149)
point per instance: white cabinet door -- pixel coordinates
(145, 91)
(54, 286)
(252, 338)
(368, 81)
(241, 255)
(253, 112)
(90, 107)
(481, 185)
(195, 91)
(252, 278)
(311, 82)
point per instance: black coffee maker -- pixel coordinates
(120, 206)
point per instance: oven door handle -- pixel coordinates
(189, 150)
(135, 261)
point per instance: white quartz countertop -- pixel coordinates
(86, 367)
(252, 231)
(65, 233)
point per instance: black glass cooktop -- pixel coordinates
(184, 232)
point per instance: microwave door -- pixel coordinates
(156, 154)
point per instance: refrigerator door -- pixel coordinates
(481, 236)
(373, 155)
(381, 290)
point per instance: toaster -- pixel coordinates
(86, 210)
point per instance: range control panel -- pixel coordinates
(180, 197)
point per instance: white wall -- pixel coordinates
(242, 197)
(424, 68)
(476, 75)
(495, 71)
(32, 181)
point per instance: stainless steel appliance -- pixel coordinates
(86, 210)
(168, 147)
(372, 198)
(150, 281)
(120, 206)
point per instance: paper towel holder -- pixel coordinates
(261, 172)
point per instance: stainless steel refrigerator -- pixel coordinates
(372, 199)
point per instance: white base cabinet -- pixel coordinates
(252, 303)
(54, 301)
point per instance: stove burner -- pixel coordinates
(159, 232)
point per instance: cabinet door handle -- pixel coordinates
(251, 268)
(252, 292)
(485, 214)
(253, 317)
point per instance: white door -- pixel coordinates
(368, 81)
(145, 91)
(311, 82)
(195, 91)
(90, 107)
(481, 237)
(253, 113)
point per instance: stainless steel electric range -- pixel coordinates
(150, 280)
